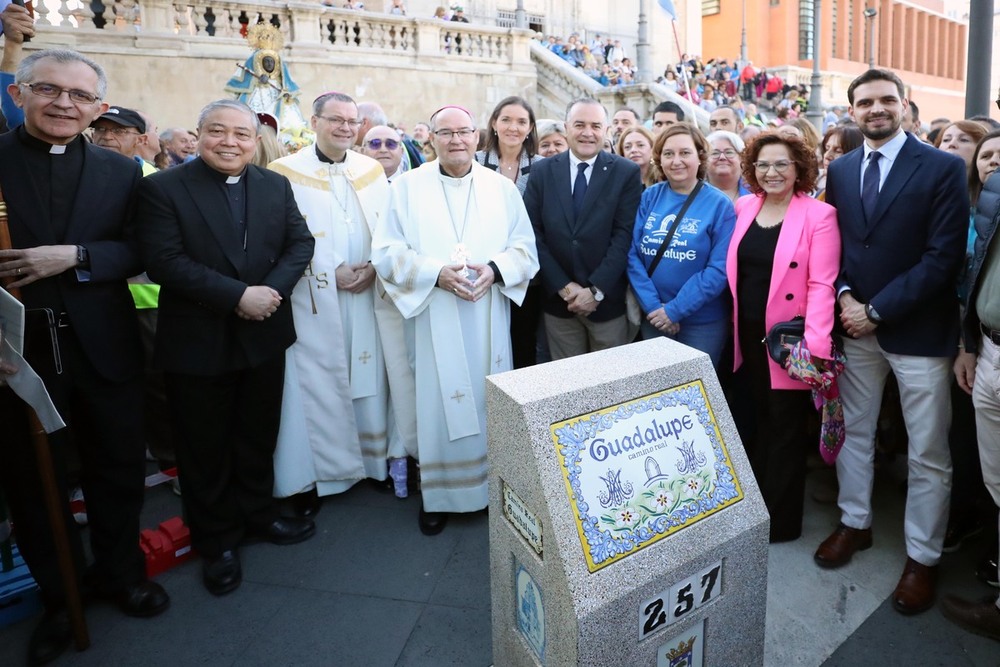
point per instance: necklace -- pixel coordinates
(341, 203)
(508, 167)
(460, 254)
(459, 236)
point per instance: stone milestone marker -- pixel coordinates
(626, 527)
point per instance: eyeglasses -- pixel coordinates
(53, 92)
(781, 166)
(729, 154)
(446, 135)
(117, 131)
(338, 121)
(376, 144)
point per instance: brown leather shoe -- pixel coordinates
(915, 591)
(982, 618)
(838, 549)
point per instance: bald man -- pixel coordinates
(385, 145)
(455, 249)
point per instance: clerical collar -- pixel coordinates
(323, 158)
(37, 144)
(219, 177)
(448, 178)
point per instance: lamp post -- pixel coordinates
(870, 14)
(644, 74)
(815, 111)
(977, 86)
(743, 39)
(520, 17)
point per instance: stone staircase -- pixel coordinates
(559, 83)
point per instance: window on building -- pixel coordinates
(505, 19)
(807, 9)
(851, 55)
(833, 35)
(709, 7)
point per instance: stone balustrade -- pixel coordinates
(173, 56)
(559, 83)
(306, 26)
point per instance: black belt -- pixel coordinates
(992, 334)
(62, 321)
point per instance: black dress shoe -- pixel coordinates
(223, 574)
(286, 530)
(380, 485)
(432, 523)
(986, 570)
(143, 599)
(412, 475)
(306, 504)
(50, 638)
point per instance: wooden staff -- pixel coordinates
(27, 4)
(50, 491)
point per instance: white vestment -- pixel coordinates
(335, 412)
(454, 344)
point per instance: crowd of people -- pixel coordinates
(708, 85)
(398, 8)
(312, 320)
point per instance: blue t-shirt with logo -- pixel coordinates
(691, 278)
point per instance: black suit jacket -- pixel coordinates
(100, 309)
(192, 250)
(905, 260)
(592, 250)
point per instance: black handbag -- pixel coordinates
(782, 338)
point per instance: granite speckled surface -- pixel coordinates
(593, 618)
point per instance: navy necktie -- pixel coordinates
(579, 188)
(869, 186)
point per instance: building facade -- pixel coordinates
(914, 38)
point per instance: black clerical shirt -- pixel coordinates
(235, 190)
(55, 171)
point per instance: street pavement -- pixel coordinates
(370, 590)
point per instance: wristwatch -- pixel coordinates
(82, 257)
(872, 314)
(598, 294)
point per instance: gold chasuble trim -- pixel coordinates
(299, 178)
(367, 178)
(321, 180)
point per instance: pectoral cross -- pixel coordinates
(364, 357)
(460, 255)
(458, 396)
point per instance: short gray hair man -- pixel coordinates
(25, 70)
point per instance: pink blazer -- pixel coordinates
(806, 264)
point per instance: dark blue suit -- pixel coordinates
(905, 261)
(591, 250)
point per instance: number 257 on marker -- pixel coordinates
(680, 600)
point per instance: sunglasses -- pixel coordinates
(376, 144)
